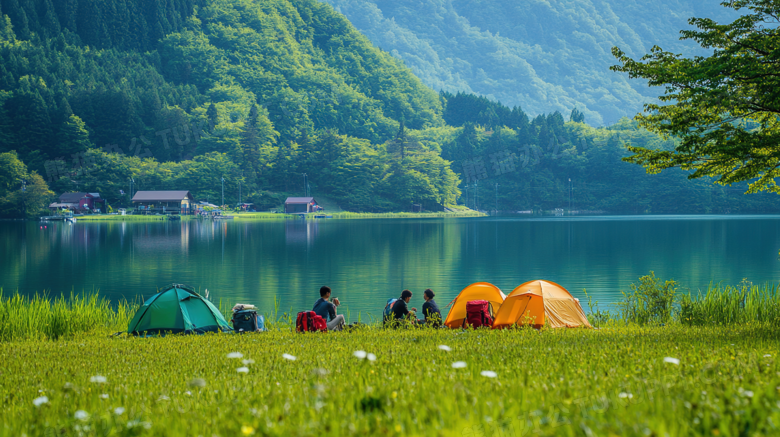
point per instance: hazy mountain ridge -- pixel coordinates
(541, 55)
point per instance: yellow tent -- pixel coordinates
(535, 302)
(476, 291)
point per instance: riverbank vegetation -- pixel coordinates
(649, 302)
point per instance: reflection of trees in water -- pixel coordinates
(369, 261)
(301, 231)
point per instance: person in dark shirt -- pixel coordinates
(430, 310)
(401, 309)
(327, 310)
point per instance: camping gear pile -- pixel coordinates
(246, 319)
(534, 303)
(309, 321)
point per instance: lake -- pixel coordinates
(368, 261)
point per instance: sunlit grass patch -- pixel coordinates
(626, 381)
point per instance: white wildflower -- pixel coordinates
(625, 395)
(360, 354)
(444, 347)
(163, 398)
(248, 362)
(488, 373)
(458, 364)
(671, 360)
(289, 357)
(104, 396)
(40, 401)
(767, 356)
(371, 357)
(81, 415)
(243, 370)
(98, 379)
(119, 411)
(235, 355)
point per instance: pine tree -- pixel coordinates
(51, 24)
(213, 114)
(73, 136)
(19, 19)
(31, 123)
(577, 116)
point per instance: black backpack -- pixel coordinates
(245, 321)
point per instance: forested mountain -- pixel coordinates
(544, 56)
(179, 94)
(271, 89)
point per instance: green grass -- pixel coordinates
(42, 317)
(549, 383)
(657, 302)
(129, 218)
(259, 215)
(623, 379)
(366, 215)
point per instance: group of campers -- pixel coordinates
(396, 313)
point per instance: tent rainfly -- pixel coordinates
(177, 308)
(477, 291)
(537, 303)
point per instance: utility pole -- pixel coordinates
(476, 196)
(496, 210)
(132, 185)
(24, 197)
(223, 192)
(305, 185)
(239, 187)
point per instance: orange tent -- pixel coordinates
(537, 302)
(476, 291)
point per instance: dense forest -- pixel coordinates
(178, 94)
(545, 56)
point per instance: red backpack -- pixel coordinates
(478, 313)
(309, 321)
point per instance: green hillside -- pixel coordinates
(270, 89)
(179, 94)
(544, 56)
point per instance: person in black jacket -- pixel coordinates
(400, 308)
(430, 310)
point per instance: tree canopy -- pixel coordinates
(724, 108)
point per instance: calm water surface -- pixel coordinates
(368, 261)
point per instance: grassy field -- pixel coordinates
(630, 381)
(275, 216)
(706, 367)
(368, 215)
(129, 218)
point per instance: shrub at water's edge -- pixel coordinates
(40, 317)
(657, 302)
(651, 302)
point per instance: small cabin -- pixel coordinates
(164, 202)
(79, 202)
(301, 205)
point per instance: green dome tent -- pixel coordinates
(177, 309)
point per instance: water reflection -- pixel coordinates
(301, 231)
(369, 261)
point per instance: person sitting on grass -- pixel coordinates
(327, 310)
(431, 310)
(401, 310)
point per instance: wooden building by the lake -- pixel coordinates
(164, 202)
(301, 205)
